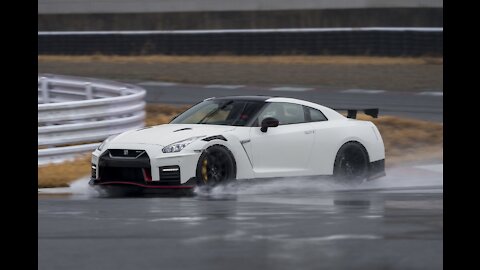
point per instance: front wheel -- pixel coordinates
(351, 163)
(215, 166)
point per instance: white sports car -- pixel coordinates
(242, 137)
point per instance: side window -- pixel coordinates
(286, 113)
(314, 115)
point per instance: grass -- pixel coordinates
(406, 140)
(284, 59)
(324, 72)
(409, 140)
(62, 174)
(162, 113)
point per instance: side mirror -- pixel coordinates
(268, 122)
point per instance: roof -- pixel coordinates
(328, 112)
(255, 98)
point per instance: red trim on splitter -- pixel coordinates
(146, 175)
(145, 186)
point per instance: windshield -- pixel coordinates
(220, 112)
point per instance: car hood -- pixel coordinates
(169, 133)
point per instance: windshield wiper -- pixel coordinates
(215, 111)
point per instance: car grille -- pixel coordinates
(126, 153)
(121, 174)
(120, 165)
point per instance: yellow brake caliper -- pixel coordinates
(204, 171)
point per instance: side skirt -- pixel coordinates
(376, 169)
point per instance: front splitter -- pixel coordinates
(122, 188)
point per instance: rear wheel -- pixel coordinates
(351, 163)
(215, 166)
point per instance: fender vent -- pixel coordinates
(218, 137)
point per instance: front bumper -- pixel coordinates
(153, 161)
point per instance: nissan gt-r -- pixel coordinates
(226, 139)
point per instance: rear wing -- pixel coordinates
(352, 113)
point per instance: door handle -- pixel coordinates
(309, 131)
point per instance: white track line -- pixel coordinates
(291, 89)
(275, 30)
(438, 168)
(224, 86)
(158, 83)
(435, 94)
(362, 91)
(65, 190)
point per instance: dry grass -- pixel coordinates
(406, 140)
(287, 59)
(61, 175)
(409, 140)
(162, 113)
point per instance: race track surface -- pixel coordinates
(392, 223)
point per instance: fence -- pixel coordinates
(163, 6)
(310, 41)
(75, 114)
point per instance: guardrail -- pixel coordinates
(75, 114)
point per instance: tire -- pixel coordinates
(215, 166)
(351, 163)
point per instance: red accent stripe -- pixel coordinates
(146, 175)
(145, 186)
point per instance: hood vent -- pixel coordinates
(182, 129)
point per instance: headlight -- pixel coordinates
(100, 147)
(178, 146)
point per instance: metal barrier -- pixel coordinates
(75, 114)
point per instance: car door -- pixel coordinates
(326, 142)
(284, 150)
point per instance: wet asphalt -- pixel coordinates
(272, 226)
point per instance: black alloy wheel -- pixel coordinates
(215, 166)
(351, 163)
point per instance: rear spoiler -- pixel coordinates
(352, 113)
